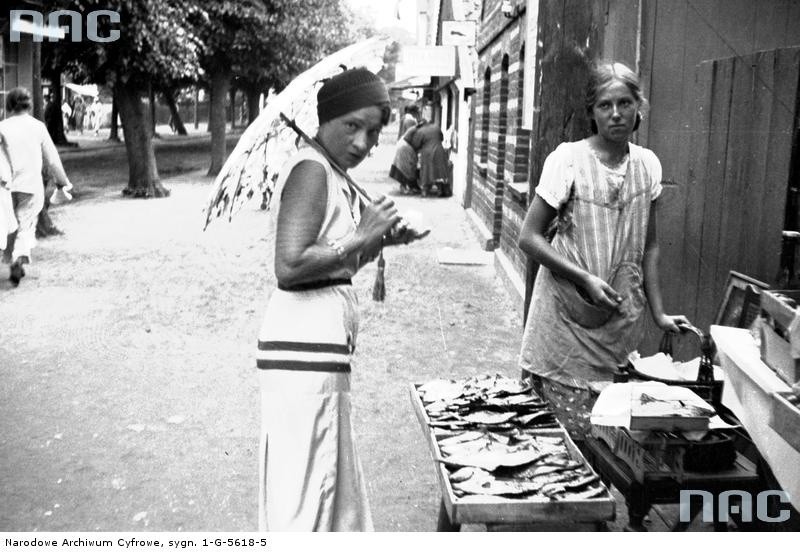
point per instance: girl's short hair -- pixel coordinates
(603, 73)
(18, 99)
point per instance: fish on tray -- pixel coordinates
(440, 390)
(493, 457)
(477, 481)
(488, 417)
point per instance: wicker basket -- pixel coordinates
(666, 455)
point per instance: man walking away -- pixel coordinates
(28, 147)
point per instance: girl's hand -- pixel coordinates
(601, 294)
(671, 323)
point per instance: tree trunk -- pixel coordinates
(113, 135)
(55, 124)
(232, 106)
(253, 95)
(38, 100)
(151, 93)
(220, 83)
(177, 122)
(196, 101)
(143, 180)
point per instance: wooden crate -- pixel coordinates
(780, 346)
(777, 354)
(780, 312)
(784, 419)
(497, 510)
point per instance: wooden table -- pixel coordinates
(663, 489)
(494, 511)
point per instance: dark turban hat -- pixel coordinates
(350, 91)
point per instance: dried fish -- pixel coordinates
(592, 492)
(542, 415)
(489, 418)
(463, 437)
(462, 474)
(490, 459)
(488, 485)
(488, 431)
(440, 390)
(582, 482)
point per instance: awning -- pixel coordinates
(411, 82)
(84, 89)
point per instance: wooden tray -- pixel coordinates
(487, 509)
(784, 419)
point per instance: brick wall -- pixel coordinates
(501, 151)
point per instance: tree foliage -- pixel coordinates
(260, 44)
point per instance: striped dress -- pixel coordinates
(604, 232)
(310, 475)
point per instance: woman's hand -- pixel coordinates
(671, 323)
(377, 218)
(600, 293)
(404, 233)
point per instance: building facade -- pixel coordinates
(710, 72)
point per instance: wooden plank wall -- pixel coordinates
(739, 173)
(570, 35)
(675, 36)
(569, 41)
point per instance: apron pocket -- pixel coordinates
(626, 280)
(577, 308)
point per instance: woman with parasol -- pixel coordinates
(310, 475)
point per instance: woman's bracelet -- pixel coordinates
(340, 252)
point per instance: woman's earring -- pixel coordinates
(638, 121)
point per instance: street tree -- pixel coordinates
(229, 30)
(261, 44)
(155, 46)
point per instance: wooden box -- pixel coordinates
(501, 510)
(659, 413)
(784, 419)
(776, 352)
(777, 309)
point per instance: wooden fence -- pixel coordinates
(744, 144)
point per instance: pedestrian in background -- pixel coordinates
(409, 120)
(600, 271)
(28, 148)
(404, 167)
(79, 113)
(66, 112)
(97, 115)
(428, 141)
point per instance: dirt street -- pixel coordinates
(129, 397)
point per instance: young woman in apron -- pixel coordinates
(601, 268)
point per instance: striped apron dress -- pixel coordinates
(310, 477)
(570, 348)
